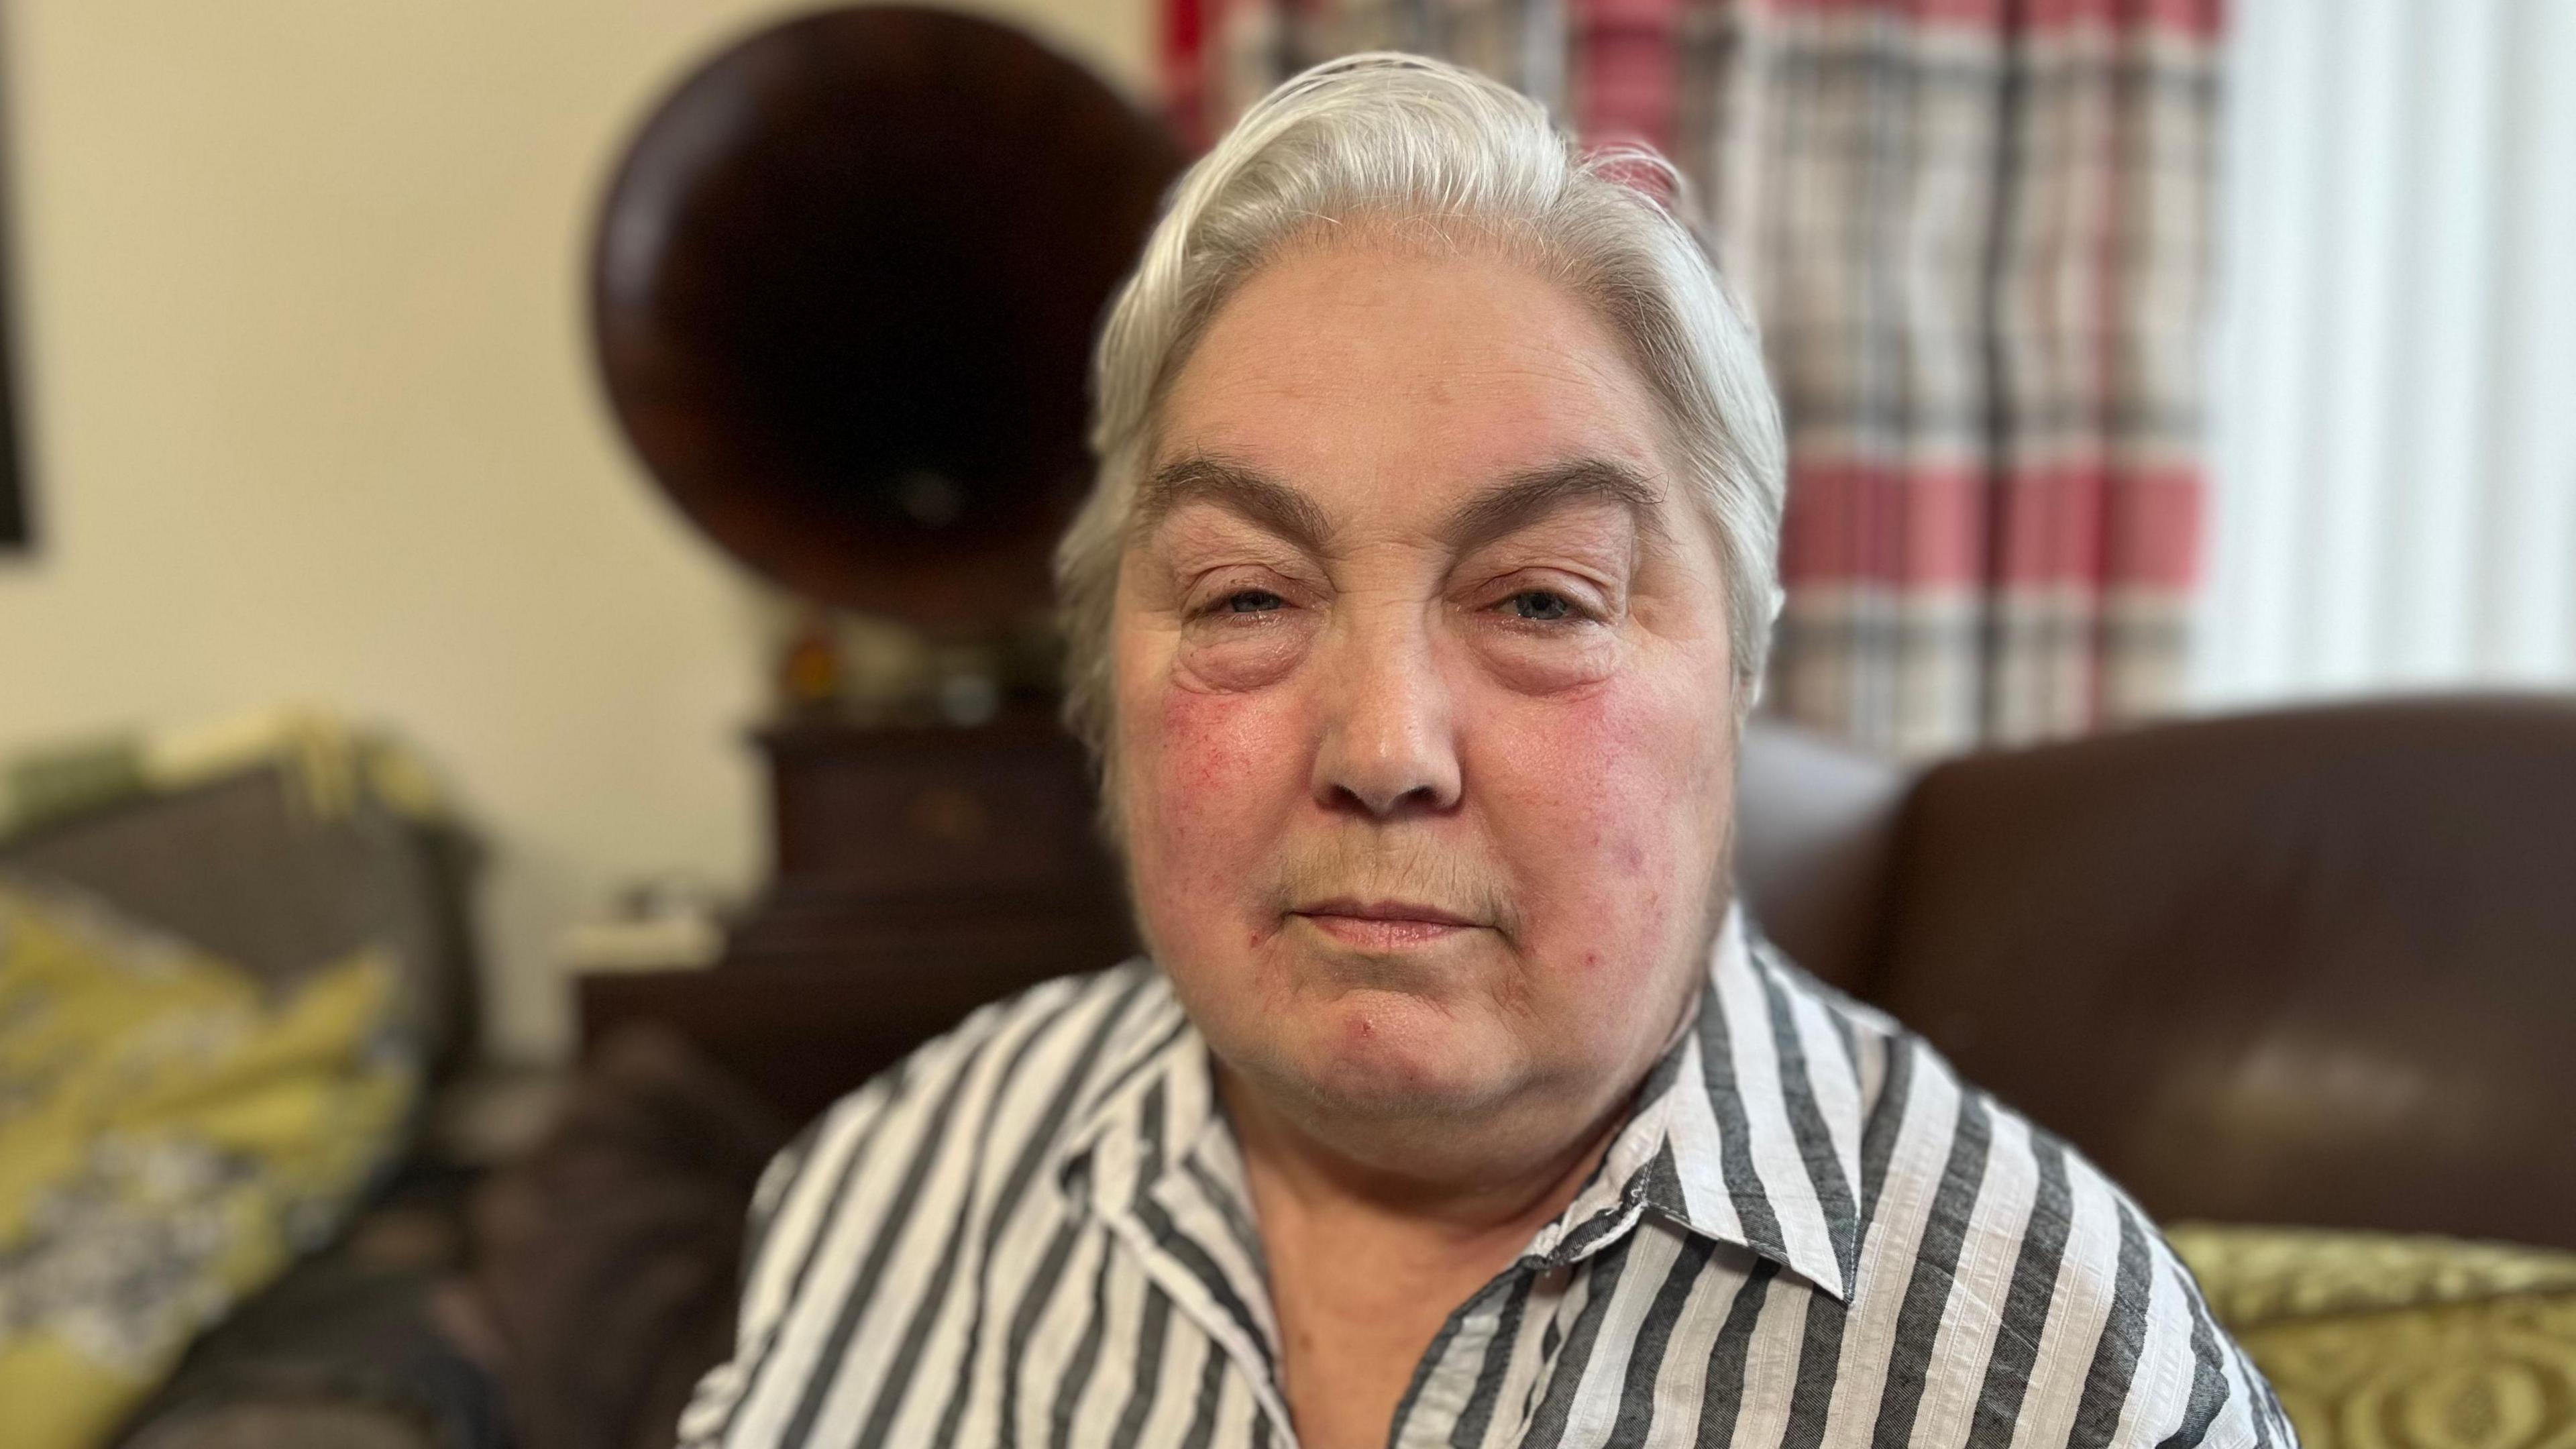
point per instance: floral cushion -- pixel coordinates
(172, 1135)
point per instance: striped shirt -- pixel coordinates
(1808, 1232)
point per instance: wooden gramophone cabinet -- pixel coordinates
(846, 285)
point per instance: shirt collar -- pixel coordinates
(1156, 1096)
(1746, 1130)
(1760, 1108)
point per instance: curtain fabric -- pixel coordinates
(2392, 445)
(1974, 234)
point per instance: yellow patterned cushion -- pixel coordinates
(170, 1138)
(2376, 1341)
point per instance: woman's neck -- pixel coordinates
(1366, 1264)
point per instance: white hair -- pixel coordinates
(1398, 139)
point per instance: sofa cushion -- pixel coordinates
(2376, 1341)
(281, 843)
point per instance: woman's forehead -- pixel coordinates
(1364, 377)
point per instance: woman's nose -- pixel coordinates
(1389, 729)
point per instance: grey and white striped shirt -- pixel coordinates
(1809, 1232)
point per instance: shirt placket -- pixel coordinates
(1445, 1382)
(1200, 1253)
(1194, 1238)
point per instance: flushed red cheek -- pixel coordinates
(1207, 746)
(1597, 766)
(1606, 783)
(1214, 771)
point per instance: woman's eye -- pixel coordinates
(1251, 601)
(1540, 606)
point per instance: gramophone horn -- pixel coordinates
(846, 285)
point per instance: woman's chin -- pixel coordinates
(1387, 1054)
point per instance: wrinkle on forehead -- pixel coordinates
(1407, 234)
(1532, 373)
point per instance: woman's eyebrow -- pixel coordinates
(1530, 495)
(1252, 495)
(1513, 504)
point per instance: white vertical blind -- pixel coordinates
(2393, 399)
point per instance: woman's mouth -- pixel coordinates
(1383, 925)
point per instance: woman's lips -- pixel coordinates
(1381, 926)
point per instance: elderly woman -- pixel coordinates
(1414, 617)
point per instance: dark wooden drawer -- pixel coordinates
(1004, 807)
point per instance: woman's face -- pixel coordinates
(1423, 696)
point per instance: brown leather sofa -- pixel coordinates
(2311, 967)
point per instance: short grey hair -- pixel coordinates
(1399, 139)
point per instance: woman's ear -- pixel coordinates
(1771, 622)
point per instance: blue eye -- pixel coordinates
(1540, 606)
(1253, 601)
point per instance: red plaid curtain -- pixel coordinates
(1973, 231)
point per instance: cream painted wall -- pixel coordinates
(313, 418)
